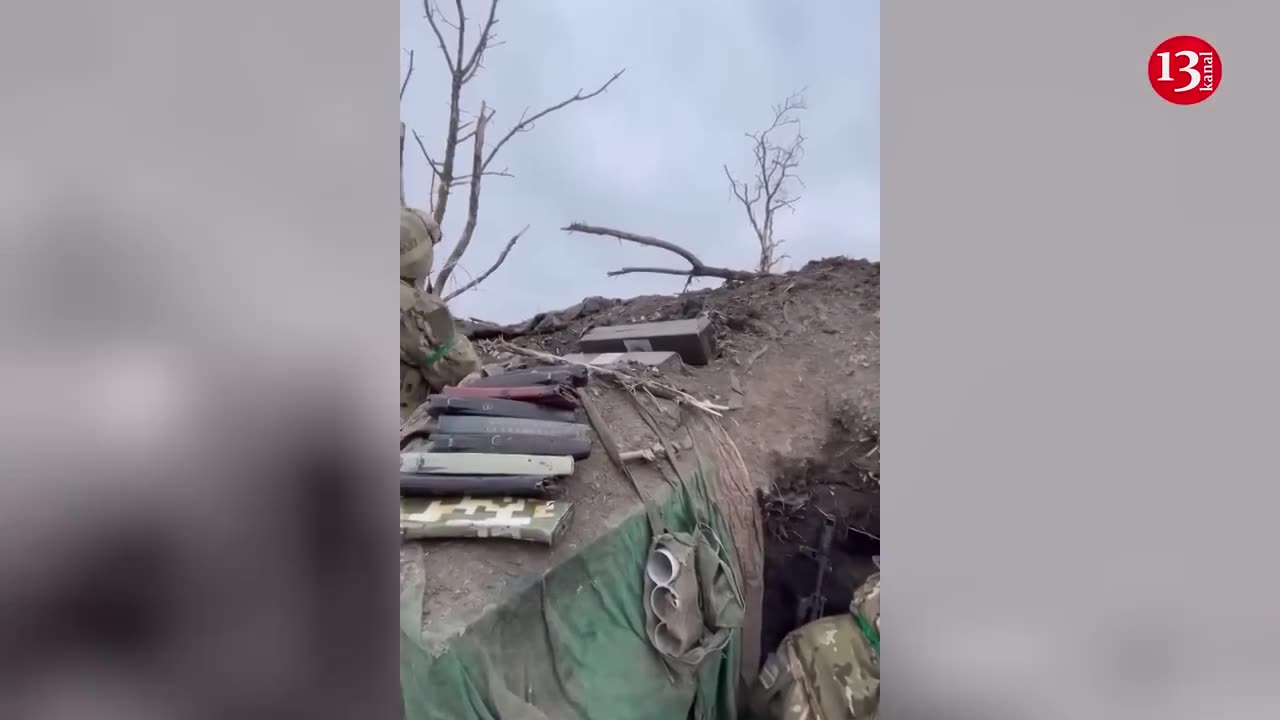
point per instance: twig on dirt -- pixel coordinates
(654, 387)
(864, 533)
(656, 404)
(753, 357)
(650, 454)
(734, 384)
(480, 278)
(697, 268)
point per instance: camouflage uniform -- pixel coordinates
(828, 669)
(432, 353)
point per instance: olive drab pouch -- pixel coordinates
(723, 606)
(673, 612)
(692, 602)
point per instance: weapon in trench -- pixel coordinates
(813, 606)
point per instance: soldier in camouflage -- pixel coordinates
(828, 669)
(432, 353)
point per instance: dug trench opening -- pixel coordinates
(840, 487)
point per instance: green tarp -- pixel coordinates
(572, 646)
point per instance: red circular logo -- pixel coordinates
(1185, 70)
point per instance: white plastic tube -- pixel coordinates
(662, 568)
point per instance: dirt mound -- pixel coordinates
(797, 350)
(841, 482)
(754, 307)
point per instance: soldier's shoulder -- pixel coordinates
(827, 633)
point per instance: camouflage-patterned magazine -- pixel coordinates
(529, 519)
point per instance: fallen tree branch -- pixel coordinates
(697, 267)
(480, 278)
(660, 271)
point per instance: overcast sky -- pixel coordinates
(646, 156)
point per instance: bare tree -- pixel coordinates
(777, 154)
(463, 61)
(777, 151)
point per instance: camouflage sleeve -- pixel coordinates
(427, 330)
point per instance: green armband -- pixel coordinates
(869, 632)
(438, 352)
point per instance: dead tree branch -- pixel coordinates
(496, 264)
(526, 121)
(473, 202)
(697, 268)
(404, 84)
(774, 164)
(461, 69)
(464, 45)
(433, 15)
(408, 74)
(435, 166)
